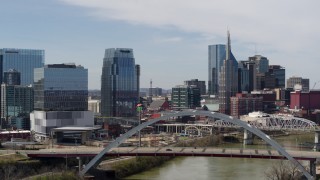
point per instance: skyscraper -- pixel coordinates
(262, 63)
(61, 87)
(23, 61)
(200, 84)
(228, 84)
(186, 97)
(293, 81)
(279, 73)
(217, 53)
(119, 83)
(12, 77)
(243, 77)
(60, 99)
(16, 102)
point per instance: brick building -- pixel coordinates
(243, 104)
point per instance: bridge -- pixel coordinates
(270, 122)
(174, 151)
(247, 127)
(310, 156)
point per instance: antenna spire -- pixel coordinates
(228, 47)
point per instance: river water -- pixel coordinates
(204, 168)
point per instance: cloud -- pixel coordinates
(263, 22)
(167, 39)
(285, 29)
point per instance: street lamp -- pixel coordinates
(79, 160)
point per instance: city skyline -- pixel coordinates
(164, 35)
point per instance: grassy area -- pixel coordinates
(67, 175)
(138, 164)
(207, 141)
(12, 158)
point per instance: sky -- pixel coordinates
(169, 38)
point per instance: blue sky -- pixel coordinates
(170, 38)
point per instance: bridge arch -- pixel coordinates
(206, 130)
(192, 130)
(98, 158)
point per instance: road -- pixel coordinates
(172, 151)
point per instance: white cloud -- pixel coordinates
(167, 39)
(287, 28)
(287, 22)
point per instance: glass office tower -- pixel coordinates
(16, 101)
(12, 77)
(23, 61)
(119, 83)
(228, 84)
(217, 53)
(61, 87)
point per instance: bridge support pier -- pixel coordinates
(83, 137)
(316, 146)
(247, 137)
(313, 168)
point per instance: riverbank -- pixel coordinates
(226, 168)
(137, 165)
(18, 166)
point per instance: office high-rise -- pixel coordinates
(262, 63)
(186, 97)
(119, 83)
(16, 102)
(60, 99)
(293, 81)
(228, 84)
(61, 87)
(217, 54)
(12, 77)
(243, 77)
(23, 61)
(279, 74)
(200, 84)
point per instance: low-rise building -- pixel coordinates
(243, 104)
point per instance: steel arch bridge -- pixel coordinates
(273, 122)
(98, 158)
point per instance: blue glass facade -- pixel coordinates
(16, 101)
(61, 87)
(22, 60)
(217, 53)
(243, 77)
(119, 83)
(12, 77)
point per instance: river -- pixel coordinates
(204, 168)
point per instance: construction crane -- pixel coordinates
(314, 85)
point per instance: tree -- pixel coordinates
(283, 170)
(9, 171)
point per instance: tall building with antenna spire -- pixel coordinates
(216, 56)
(228, 82)
(150, 90)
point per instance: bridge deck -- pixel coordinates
(174, 151)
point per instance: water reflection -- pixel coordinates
(204, 168)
